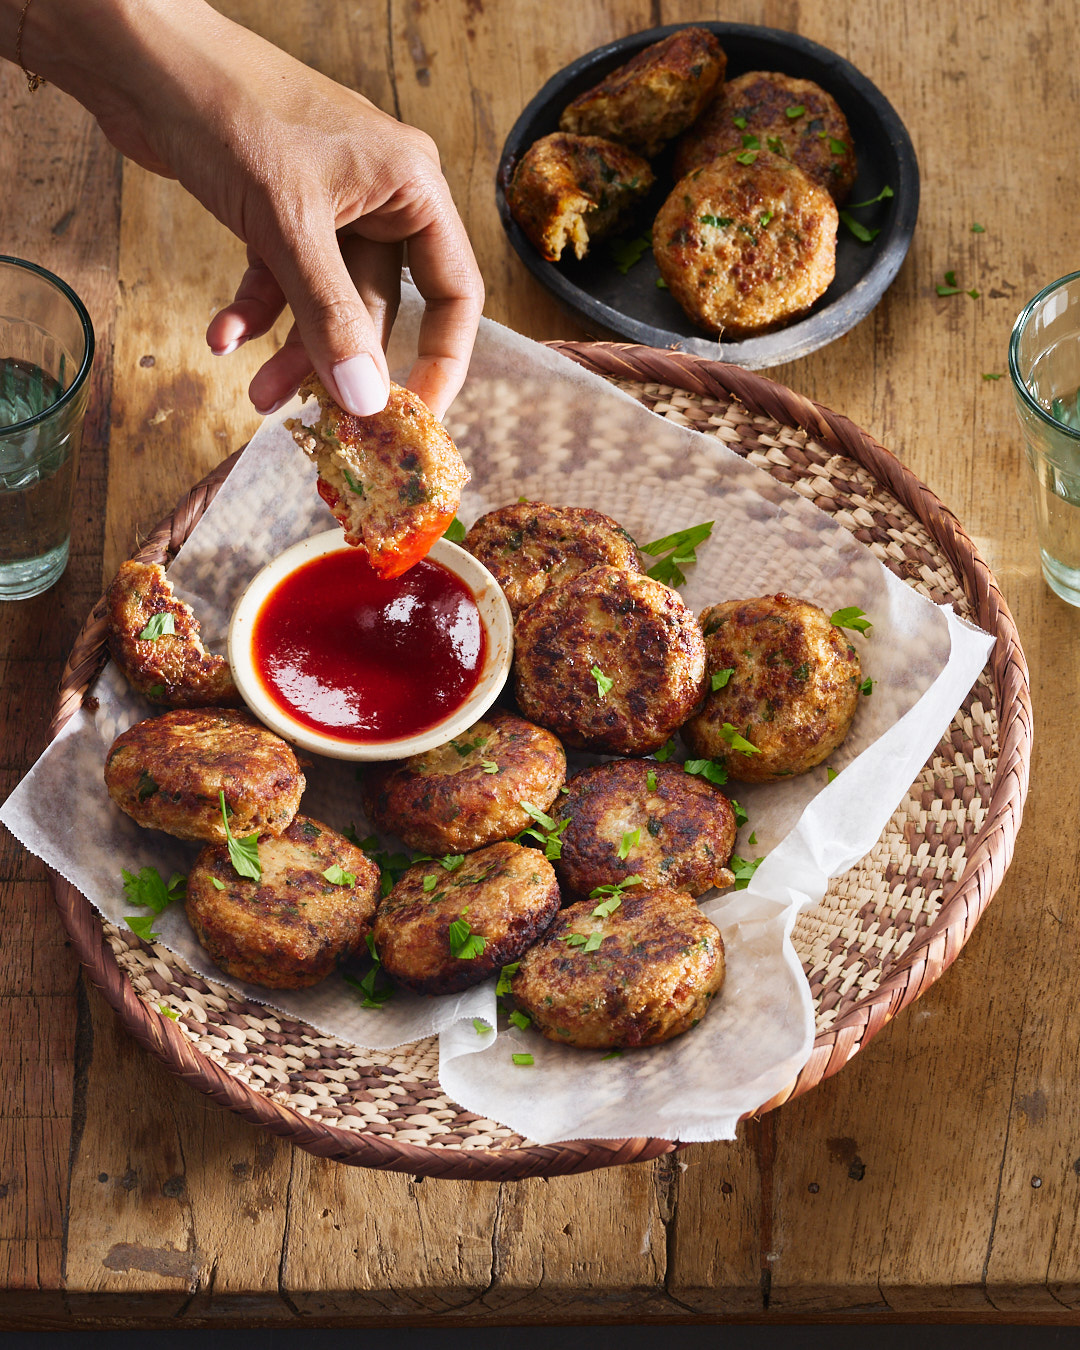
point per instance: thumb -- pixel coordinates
(333, 322)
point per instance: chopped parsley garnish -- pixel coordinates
(737, 742)
(837, 147)
(606, 907)
(142, 926)
(502, 986)
(665, 752)
(974, 294)
(747, 157)
(993, 375)
(616, 889)
(740, 122)
(675, 551)
(753, 838)
(630, 840)
(796, 110)
(521, 1020)
(603, 682)
(336, 875)
(480, 1026)
(155, 691)
(146, 787)
(351, 483)
(721, 677)
(764, 220)
(243, 853)
(464, 943)
(661, 284)
(452, 861)
(218, 885)
(429, 883)
(709, 769)
(525, 1060)
(166, 1011)
(465, 748)
(612, 1054)
(864, 234)
(885, 193)
(830, 774)
(148, 889)
(718, 222)
(751, 142)
(626, 252)
(867, 686)
(851, 617)
(157, 626)
(373, 985)
(650, 781)
(950, 287)
(455, 531)
(586, 942)
(489, 766)
(740, 816)
(547, 834)
(776, 145)
(744, 870)
(976, 228)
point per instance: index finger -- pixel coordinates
(445, 271)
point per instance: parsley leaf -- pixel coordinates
(502, 985)
(796, 110)
(738, 742)
(885, 192)
(740, 122)
(993, 375)
(650, 781)
(612, 1054)
(155, 691)
(744, 870)
(146, 787)
(830, 774)
(626, 252)
(747, 157)
(351, 483)
(751, 142)
(720, 223)
(606, 907)
(429, 883)
(336, 875)
(464, 943)
(675, 551)
(837, 147)
(721, 677)
(851, 617)
(148, 888)
(243, 853)
(862, 232)
(753, 838)
(480, 1026)
(977, 228)
(709, 769)
(665, 752)
(455, 531)
(157, 626)
(603, 682)
(867, 686)
(616, 888)
(218, 885)
(166, 1011)
(489, 766)
(452, 861)
(142, 926)
(630, 840)
(740, 815)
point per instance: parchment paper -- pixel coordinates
(531, 423)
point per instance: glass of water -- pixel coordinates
(1044, 365)
(46, 350)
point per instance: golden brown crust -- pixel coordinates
(506, 894)
(654, 96)
(635, 632)
(572, 189)
(792, 692)
(744, 247)
(817, 139)
(469, 792)
(529, 546)
(174, 669)
(393, 479)
(659, 964)
(684, 828)
(292, 927)
(166, 773)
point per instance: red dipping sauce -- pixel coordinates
(362, 659)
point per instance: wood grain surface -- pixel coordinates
(939, 1173)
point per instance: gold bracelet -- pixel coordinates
(33, 82)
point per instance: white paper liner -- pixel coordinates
(529, 422)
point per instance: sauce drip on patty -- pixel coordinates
(364, 659)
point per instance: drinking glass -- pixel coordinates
(46, 350)
(1044, 365)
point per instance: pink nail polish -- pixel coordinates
(361, 388)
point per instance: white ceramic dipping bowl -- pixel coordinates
(494, 614)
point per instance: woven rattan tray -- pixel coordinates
(884, 932)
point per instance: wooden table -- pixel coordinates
(939, 1173)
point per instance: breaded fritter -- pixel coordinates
(470, 791)
(291, 928)
(769, 111)
(649, 973)
(654, 96)
(610, 660)
(529, 546)
(173, 668)
(393, 479)
(746, 246)
(167, 772)
(488, 907)
(573, 189)
(636, 817)
(792, 691)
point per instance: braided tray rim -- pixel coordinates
(924, 961)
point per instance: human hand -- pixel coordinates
(326, 191)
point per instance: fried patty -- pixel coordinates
(529, 546)
(792, 690)
(470, 791)
(487, 907)
(769, 111)
(167, 773)
(573, 189)
(290, 928)
(744, 247)
(654, 96)
(638, 976)
(169, 665)
(393, 479)
(635, 817)
(610, 660)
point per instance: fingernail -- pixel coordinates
(228, 347)
(265, 412)
(361, 388)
